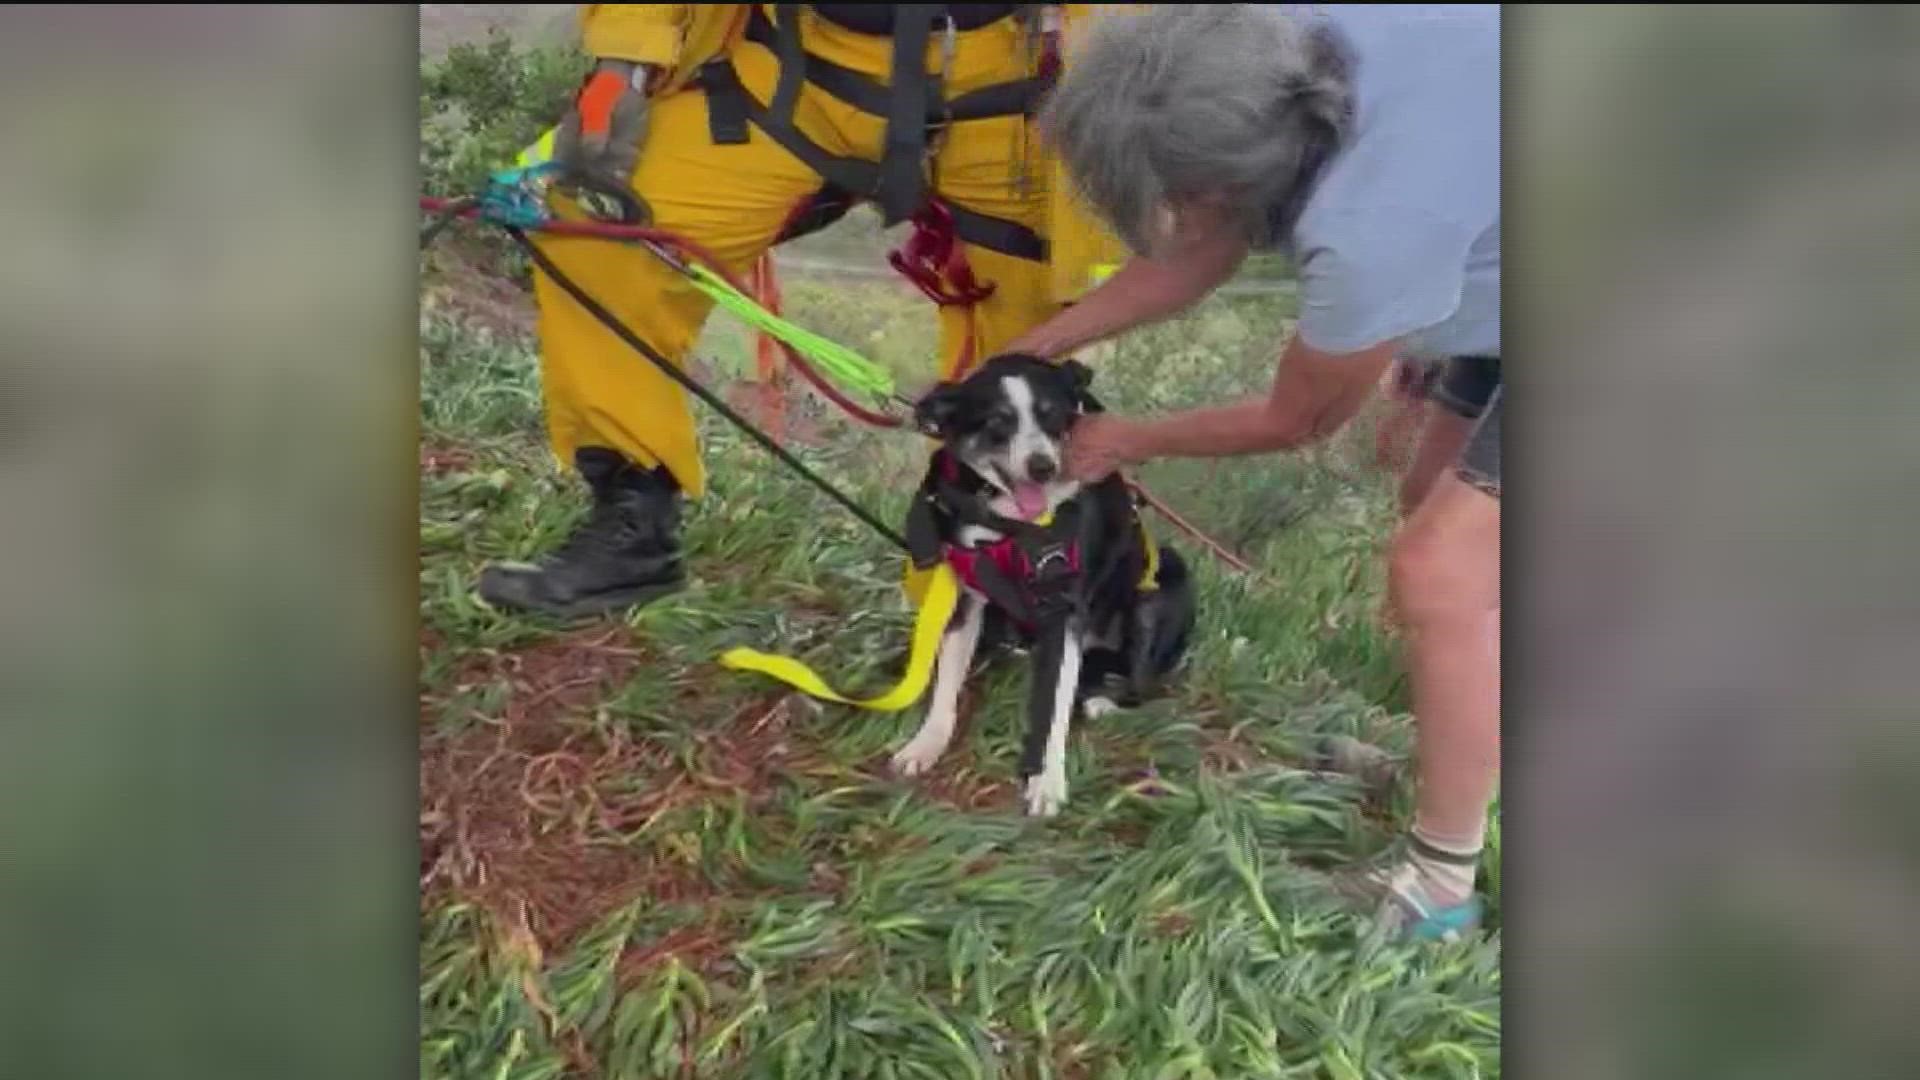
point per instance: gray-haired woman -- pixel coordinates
(1365, 142)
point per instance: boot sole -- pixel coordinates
(606, 603)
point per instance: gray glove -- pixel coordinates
(598, 142)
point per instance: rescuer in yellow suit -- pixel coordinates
(743, 125)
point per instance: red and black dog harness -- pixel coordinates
(1031, 572)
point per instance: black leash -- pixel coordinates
(692, 386)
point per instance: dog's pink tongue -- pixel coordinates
(1031, 499)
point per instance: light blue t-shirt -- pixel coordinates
(1401, 237)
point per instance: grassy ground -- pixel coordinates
(635, 864)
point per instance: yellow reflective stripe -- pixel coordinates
(936, 610)
(539, 153)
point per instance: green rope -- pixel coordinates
(842, 364)
(518, 198)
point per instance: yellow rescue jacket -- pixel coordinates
(680, 38)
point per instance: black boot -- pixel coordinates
(626, 553)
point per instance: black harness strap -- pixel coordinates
(1017, 98)
(727, 104)
(997, 234)
(878, 19)
(912, 105)
(793, 61)
(722, 83)
(903, 159)
(730, 108)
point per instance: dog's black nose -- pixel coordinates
(1042, 468)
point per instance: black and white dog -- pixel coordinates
(1067, 567)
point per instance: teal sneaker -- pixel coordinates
(1401, 907)
(1406, 912)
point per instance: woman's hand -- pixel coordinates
(1102, 445)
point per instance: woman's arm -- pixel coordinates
(1141, 292)
(1314, 395)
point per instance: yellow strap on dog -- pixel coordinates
(1150, 580)
(936, 609)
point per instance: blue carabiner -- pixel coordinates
(518, 197)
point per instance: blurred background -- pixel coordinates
(1715, 257)
(209, 391)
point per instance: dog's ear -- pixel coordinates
(935, 413)
(1081, 374)
(1081, 378)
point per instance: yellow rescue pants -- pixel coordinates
(735, 199)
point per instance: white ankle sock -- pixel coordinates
(1445, 866)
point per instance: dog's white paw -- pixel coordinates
(916, 757)
(1046, 794)
(1096, 707)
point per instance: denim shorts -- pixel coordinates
(1470, 388)
(1466, 384)
(1480, 461)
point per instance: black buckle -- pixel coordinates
(1052, 583)
(1051, 563)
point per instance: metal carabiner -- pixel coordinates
(941, 84)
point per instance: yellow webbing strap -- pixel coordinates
(1150, 579)
(936, 609)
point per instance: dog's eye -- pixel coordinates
(1001, 424)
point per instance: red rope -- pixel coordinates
(766, 347)
(934, 260)
(1214, 547)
